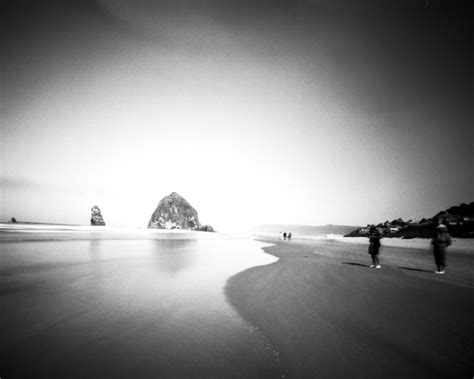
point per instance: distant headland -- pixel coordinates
(459, 220)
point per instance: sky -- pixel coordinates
(297, 112)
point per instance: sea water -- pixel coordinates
(135, 306)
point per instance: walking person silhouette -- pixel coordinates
(440, 242)
(374, 246)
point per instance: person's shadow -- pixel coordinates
(415, 269)
(355, 264)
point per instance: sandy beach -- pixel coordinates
(115, 303)
(329, 315)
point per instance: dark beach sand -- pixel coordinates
(329, 315)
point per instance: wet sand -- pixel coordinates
(329, 315)
(130, 308)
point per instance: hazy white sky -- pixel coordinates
(254, 113)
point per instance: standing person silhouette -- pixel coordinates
(374, 246)
(440, 242)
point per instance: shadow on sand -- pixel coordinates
(415, 269)
(354, 264)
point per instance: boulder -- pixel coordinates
(207, 228)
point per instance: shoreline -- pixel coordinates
(32, 233)
(331, 316)
(464, 244)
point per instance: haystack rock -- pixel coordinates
(174, 212)
(96, 217)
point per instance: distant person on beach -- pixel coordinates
(440, 243)
(374, 246)
(289, 235)
(284, 235)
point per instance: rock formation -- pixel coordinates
(96, 217)
(174, 212)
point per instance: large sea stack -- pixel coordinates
(96, 217)
(174, 212)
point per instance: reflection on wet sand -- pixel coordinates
(172, 256)
(127, 308)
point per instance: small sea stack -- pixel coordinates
(96, 217)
